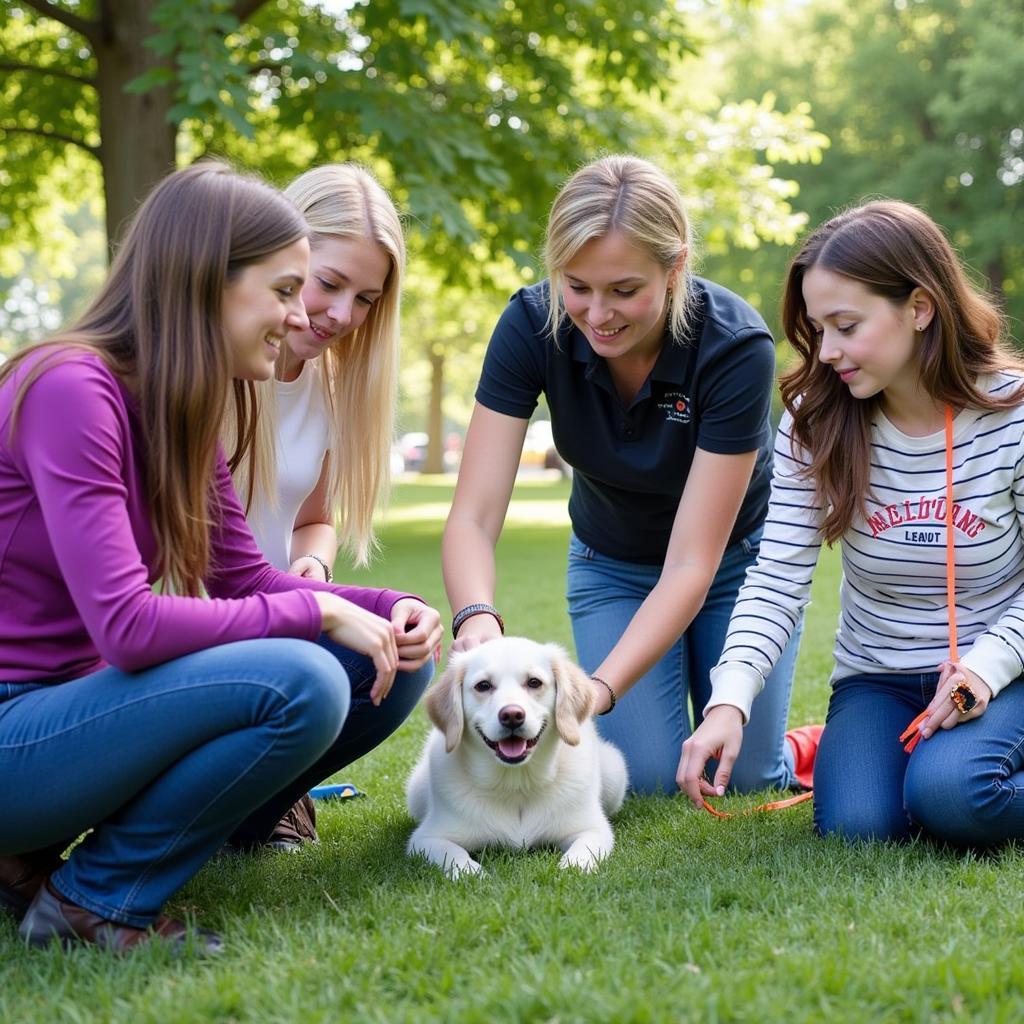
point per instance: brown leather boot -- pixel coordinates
(50, 917)
(298, 826)
(22, 875)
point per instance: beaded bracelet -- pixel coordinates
(475, 609)
(611, 695)
(328, 575)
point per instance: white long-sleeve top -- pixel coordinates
(893, 615)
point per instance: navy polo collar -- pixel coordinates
(671, 365)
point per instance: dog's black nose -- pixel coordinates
(511, 716)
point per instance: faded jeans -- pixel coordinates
(964, 785)
(652, 720)
(166, 764)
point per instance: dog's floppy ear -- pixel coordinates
(574, 695)
(444, 702)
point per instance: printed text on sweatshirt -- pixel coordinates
(893, 615)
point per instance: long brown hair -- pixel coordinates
(891, 248)
(157, 324)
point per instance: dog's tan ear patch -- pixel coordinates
(574, 696)
(444, 703)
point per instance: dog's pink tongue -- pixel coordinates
(512, 746)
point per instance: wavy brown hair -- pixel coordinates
(157, 324)
(891, 248)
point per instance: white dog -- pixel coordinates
(515, 760)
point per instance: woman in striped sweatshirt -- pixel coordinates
(890, 333)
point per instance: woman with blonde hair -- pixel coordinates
(157, 722)
(903, 441)
(320, 461)
(319, 464)
(659, 387)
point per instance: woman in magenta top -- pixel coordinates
(167, 722)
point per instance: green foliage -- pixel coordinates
(46, 131)
(921, 101)
(478, 107)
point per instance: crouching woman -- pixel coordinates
(163, 722)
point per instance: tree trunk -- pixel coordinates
(137, 142)
(435, 421)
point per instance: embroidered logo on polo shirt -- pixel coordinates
(676, 407)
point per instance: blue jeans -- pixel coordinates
(651, 721)
(964, 786)
(164, 765)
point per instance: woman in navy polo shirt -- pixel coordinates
(659, 386)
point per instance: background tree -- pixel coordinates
(481, 103)
(921, 101)
(472, 113)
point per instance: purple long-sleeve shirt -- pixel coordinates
(77, 551)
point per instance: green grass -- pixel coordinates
(691, 919)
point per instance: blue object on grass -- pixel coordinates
(337, 791)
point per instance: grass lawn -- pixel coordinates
(692, 919)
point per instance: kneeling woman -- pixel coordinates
(659, 386)
(901, 362)
(165, 722)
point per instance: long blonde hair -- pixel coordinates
(359, 372)
(157, 324)
(627, 194)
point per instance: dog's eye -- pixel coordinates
(483, 686)
(534, 683)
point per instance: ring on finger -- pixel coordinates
(963, 697)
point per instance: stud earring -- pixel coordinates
(919, 328)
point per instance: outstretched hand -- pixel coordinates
(720, 736)
(476, 630)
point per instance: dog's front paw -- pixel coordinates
(582, 860)
(461, 868)
(586, 851)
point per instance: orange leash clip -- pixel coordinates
(911, 736)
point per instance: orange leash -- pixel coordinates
(774, 805)
(911, 736)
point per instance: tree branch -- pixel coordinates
(255, 69)
(53, 137)
(59, 72)
(243, 10)
(83, 26)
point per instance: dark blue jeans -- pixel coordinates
(651, 721)
(963, 786)
(164, 765)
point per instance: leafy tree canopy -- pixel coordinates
(922, 102)
(478, 106)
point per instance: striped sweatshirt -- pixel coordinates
(893, 615)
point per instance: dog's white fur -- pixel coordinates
(466, 795)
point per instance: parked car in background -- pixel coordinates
(539, 448)
(413, 447)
